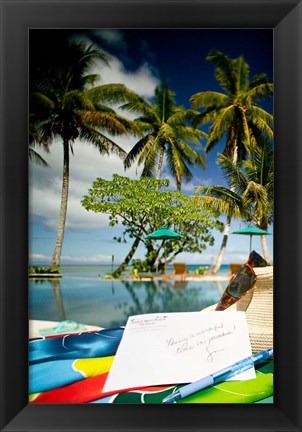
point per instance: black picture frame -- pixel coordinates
(284, 16)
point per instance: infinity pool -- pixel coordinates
(108, 303)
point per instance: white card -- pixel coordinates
(178, 348)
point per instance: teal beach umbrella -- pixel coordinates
(164, 234)
(251, 230)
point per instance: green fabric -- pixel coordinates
(259, 390)
(248, 391)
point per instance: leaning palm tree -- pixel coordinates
(250, 193)
(64, 105)
(234, 114)
(227, 202)
(167, 133)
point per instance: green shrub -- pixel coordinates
(201, 270)
(43, 270)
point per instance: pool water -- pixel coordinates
(108, 303)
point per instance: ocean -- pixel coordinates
(100, 271)
(84, 296)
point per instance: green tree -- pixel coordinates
(141, 207)
(167, 133)
(64, 105)
(234, 115)
(250, 193)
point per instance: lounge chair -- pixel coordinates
(234, 267)
(180, 269)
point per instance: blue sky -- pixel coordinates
(140, 59)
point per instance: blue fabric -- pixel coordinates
(47, 375)
(86, 345)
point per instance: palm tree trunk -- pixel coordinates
(214, 269)
(128, 258)
(160, 164)
(56, 258)
(265, 250)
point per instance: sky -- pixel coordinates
(140, 59)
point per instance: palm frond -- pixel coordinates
(261, 91)
(188, 154)
(241, 72)
(262, 125)
(260, 167)
(104, 144)
(258, 112)
(36, 158)
(221, 125)
(103, 121)
(76, 100)
(177, 166)
(140, 106)
(135, 151)
(220, 199)
(258, 79)
(256, 195)
(111, 93)
(150, 156)
(191, 134)
(223, 70)
(232, 173)
(40, 102)
(206, 116)
(209, 99)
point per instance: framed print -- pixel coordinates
(19, 18)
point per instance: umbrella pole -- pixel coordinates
(251, 243)
(165, 258)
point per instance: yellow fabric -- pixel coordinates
(91, 367)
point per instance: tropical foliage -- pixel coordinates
(167, 133)
(235, 113)
(64, 105)
(236, 116)
(37, 270)
(142, 207)
(250, 195)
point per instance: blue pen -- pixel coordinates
(222, 375)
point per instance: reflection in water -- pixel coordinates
(219, 286)
(163, 296)
(180, 285)
(109, 303)
(55, 283)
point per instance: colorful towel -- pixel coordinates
(81, 376)
(85, 345)
(48, 375)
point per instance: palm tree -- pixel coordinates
(234, 114)
(64, 105)
(227, 202)
(250, 192)
(258, 194)
(167, 131)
